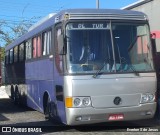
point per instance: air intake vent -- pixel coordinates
(107, 16)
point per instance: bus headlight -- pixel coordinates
(144, 98)
(147, 98)
(151, 98)
(86, 101)
(78, 102)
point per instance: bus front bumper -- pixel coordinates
(78, 116)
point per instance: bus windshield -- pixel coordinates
(109, 47)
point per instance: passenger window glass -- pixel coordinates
(29, 49)
(11, 56)
(21, 52)
(16, 54)
(7, 57)
(34, 47)
(46, 43)
(39, 46)
(58, 58)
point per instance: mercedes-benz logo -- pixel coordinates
(117, 101)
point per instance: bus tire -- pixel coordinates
(47, 110)
(12, 92)
(16, 97)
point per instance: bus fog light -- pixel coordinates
(77, 102)
(148, 113)
(86, 118)
(79, 118)
(86, 102)
(83, 118)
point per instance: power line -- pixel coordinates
(37, 11)
(3, 21)
(33, 8)
(37, 17)
(15, 22)
(22, 4)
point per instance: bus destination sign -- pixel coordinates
(79, 26)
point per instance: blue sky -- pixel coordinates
(15, 10)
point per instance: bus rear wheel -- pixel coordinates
(12, 92)
(16, 98)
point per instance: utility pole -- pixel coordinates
(97, 4)
(0, 68)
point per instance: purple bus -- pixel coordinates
(84, 66)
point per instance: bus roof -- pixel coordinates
(78, 14)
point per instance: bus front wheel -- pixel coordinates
(47, 110)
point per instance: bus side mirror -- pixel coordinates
(155, 42)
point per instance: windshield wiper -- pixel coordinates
(134, 70)
(124, 61)
(98, 72)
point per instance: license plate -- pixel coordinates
(116, 117)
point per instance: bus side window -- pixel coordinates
(11, 56)
(58, 48)
(46, 42)
(39, 47)
(16, 54)
(21, 52)
(29, 49)
(59, 40)
(34, 47)
(7, 58)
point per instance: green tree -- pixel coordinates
(9, 32)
